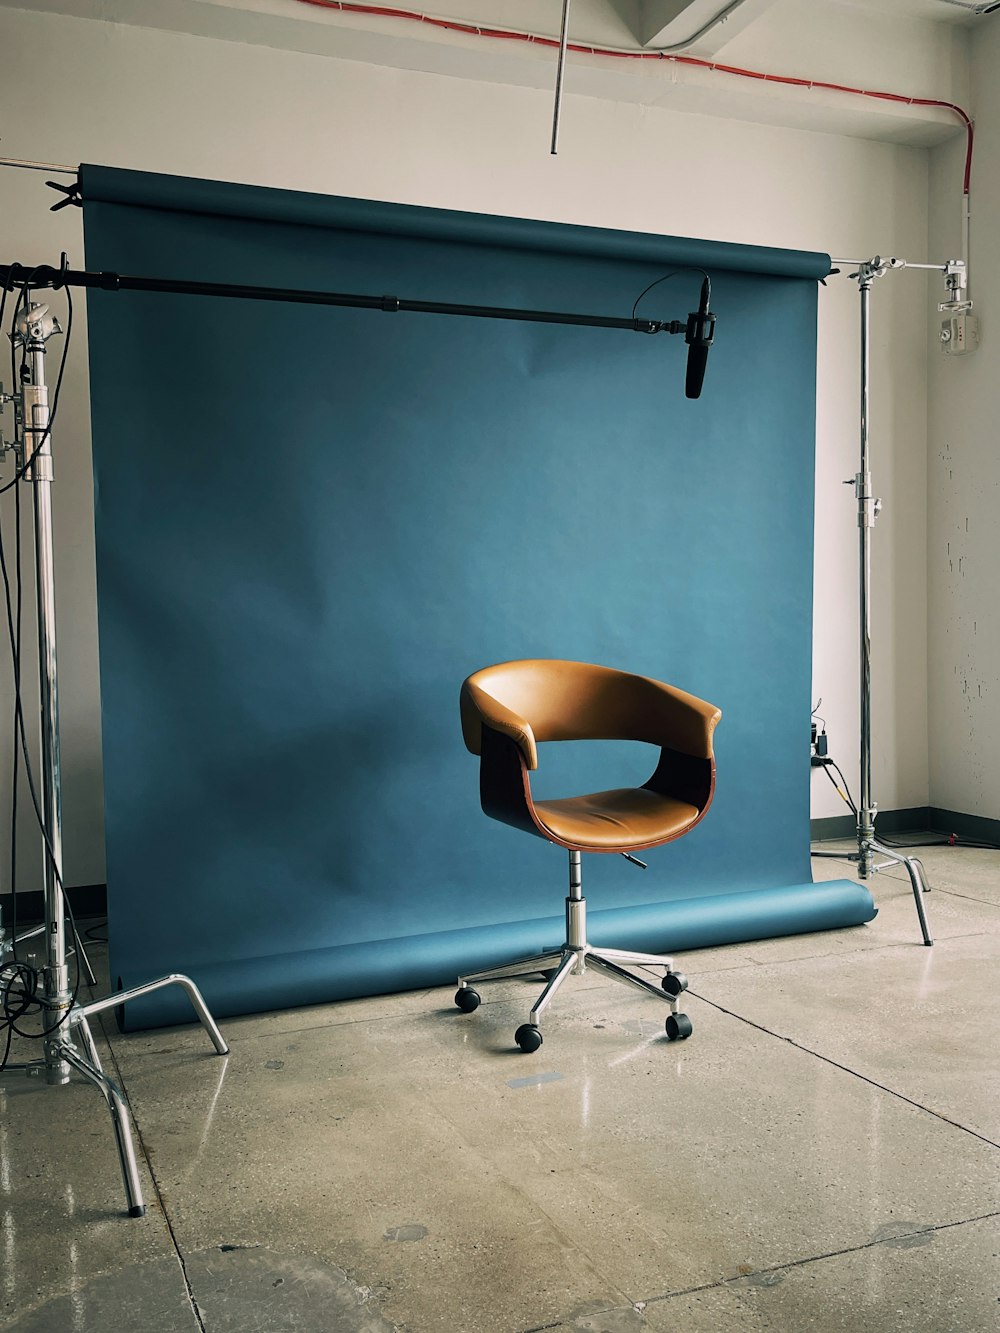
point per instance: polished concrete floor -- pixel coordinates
(821, 1155)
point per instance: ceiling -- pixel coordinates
(915, 48)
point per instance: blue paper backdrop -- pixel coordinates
(313, 523)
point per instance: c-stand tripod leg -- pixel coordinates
(918, 881)
(119, 1119)
(79, 1023)
(175, 979)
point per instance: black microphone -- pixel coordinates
(699, 336)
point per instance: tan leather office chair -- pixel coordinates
(506, 711)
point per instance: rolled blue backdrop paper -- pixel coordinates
(424, 960)
(313, 523)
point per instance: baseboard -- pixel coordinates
(84, 900)
(921, 819)
(976, 828)
(889, 821)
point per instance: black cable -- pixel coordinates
(850, 798)
(34, 1004)
(688, 268)
(846, 793)
(25, 999)
(952, 841)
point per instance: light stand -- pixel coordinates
(868, 510)
(64, 1018)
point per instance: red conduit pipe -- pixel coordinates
(502, 34)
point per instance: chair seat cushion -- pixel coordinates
(615, 820)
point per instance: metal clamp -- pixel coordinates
(869, 506)
(877, 267)
(956, 279)
(35, 325)
(14, 445)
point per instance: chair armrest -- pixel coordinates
(680, 721)
(480, 709)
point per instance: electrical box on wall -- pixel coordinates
(959, 333)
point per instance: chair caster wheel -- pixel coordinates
(679, 1027)
(467, 999)
(528, 1038)
(674, 983)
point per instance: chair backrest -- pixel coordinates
(578, 701)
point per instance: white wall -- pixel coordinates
(964, 484)
(81, 90)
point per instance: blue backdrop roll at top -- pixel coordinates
(313, 523)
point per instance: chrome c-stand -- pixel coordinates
(868, 510)
(64, 1018)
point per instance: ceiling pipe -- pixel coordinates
(560, 67)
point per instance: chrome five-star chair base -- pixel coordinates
(574, 958)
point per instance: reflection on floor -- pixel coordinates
(822, 1154)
